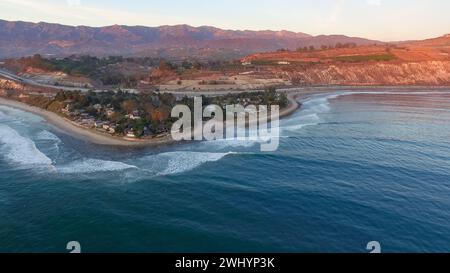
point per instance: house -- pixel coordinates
(98, 107)
(88, 122)
(283, 63)
(112, 129)
(110, 112)
(148, 131)
(134, 115)
(130, 133)
(246, 63)
(99, 124)
(66, 110)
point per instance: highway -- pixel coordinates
(11, 76)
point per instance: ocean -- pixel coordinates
(352, 167)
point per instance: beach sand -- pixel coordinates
(95, 137)
(72, 129)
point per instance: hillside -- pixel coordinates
(413, 63)
(19, 39)
(427, 50)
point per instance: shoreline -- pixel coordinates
(294, 94)
(69, 127)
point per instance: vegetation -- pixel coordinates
(143, 114)
(268, 97)
(365, 58)
(325, 47)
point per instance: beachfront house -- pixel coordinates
(98, 107)
(133, 116)
(110, 112)
(112, 129)
(130, 133)
(88, 122)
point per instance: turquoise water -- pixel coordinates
(352, 167)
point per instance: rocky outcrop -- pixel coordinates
(10, 85)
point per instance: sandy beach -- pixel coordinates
(71, 128)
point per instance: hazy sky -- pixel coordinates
(376, 19)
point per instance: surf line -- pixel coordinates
(190, 126)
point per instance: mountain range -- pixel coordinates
(19, 39)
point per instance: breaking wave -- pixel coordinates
(180, 162)
(93, 166)
(309, 112)
(320, 104)
(20, 115)
(21, 150)
(47, 136)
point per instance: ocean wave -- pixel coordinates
(50, 139)
(320, 104)
(13, 113)
(226, 143)
(180, 162)
(47, 136)
(93, 166)
(4, 118)
(309, 114)
(21, 150)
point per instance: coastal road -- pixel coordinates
(13, 77)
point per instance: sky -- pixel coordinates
(386, 20)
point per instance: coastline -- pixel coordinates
(293, 94)
(71, 129)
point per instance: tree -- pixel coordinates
(129, 106)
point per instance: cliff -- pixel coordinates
(405, 73)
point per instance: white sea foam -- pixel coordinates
(320, 104)
(21, 150)
(227, 144)
(180, 162)
(309, 113)
(47, 136)
(93, 166)
(19, 114)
